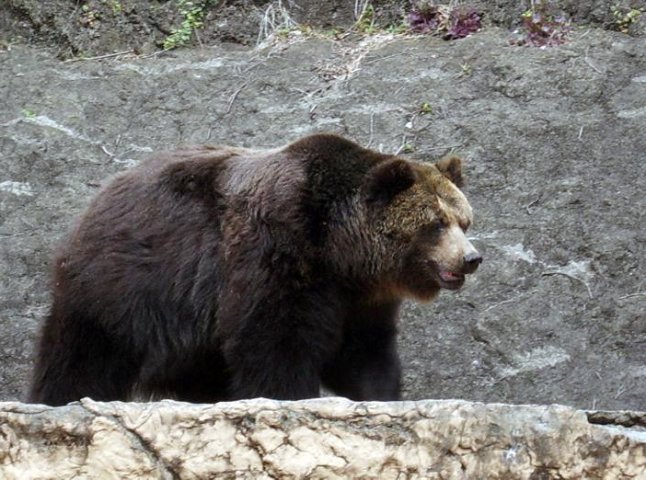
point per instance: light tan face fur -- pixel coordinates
(430, 220)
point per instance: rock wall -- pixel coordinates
(553, 138)
(327, 438)
(554, 142)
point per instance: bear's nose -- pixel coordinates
(472, 260)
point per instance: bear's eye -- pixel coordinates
(433, 229)
(442, 222)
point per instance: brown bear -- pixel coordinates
(220, 273)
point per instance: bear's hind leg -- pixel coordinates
(77, 358)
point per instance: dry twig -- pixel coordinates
(100, 57)
(531, 204)
(402, 146)
(233, 98)
(372, 119)
(630, 295)
(490, 307)
(571, 277)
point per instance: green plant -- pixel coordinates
(366, 21)
(116, 6)
(408, 148)
(425, 108)
(466, 69)
(332, 32)
(192, 18)
(88, 16)
(398, 28)
(624, 18)
(27, 113)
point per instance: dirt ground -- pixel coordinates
(76, 28)
(554, 141)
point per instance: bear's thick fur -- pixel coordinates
(221, 273)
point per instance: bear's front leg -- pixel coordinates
(276, 346)
(367, 367)
(275, 373)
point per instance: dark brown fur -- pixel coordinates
(221, 273)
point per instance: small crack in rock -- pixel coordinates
(141, 441)
(622, 419)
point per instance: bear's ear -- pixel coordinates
(388, 179)
(194, 178)
(451, 167)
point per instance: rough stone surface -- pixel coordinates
(554, 141)
(318, 439)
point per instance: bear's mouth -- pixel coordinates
(451, 280)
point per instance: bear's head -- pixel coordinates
(421, 217)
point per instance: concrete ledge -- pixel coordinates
(315, 439)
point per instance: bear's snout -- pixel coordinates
(471, 261)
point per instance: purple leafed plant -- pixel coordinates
(542, 26)
(425, 18)
(445, 20)
(464, 22)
